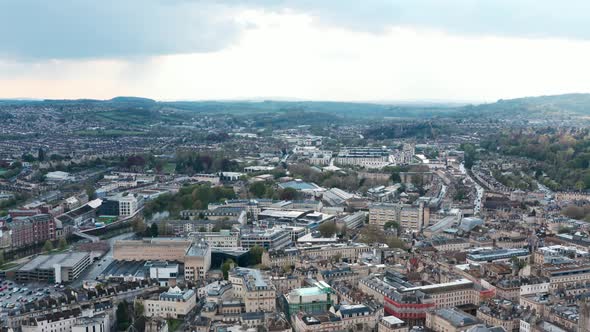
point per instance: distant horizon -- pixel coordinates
(439, 102)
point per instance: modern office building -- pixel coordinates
(269, 239)
(412, 218)
(129, 204)
(353, 221)
(197, 261)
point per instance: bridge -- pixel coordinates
(92, 238)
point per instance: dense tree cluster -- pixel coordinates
(372, 234)
(189, 197)
(563, 157)
(328, 229)
(577, 212)
(191, 162)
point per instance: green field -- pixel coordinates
(139, 117)
(107, 219)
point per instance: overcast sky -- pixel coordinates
(369, 50)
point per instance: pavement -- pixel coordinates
(17, 293)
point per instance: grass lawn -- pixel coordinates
(58, 251)
(8, 265)
(169, 168)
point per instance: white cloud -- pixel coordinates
(288, 54)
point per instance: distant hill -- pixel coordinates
(132, 100)
(346, 109)
(564, 105)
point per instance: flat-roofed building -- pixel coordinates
(165, 272)
(270, 239)
(197, 261)
(283, 215)
(317, 322)
(495, 255)
(363, 156)
(222, 239)
(156, 249)
(562, 275)
(409, 302)
(446, 244)
(410, 217)
(196, 256)
(318, 298)
(392, 324)
(454, 293)
(349, 252)
(352, 221)
(450, 320)
(54, 268)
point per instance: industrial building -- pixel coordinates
(196, 256)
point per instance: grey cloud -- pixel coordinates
(41, 29)
(514, 18)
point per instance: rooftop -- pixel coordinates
(177, 294)
(299, 185)
(457, 318)
(47, 262)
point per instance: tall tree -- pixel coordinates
(62, 244)
(327, 229)
(154, 230)
(255, 254)
(48, 246)
(225, 267)
(258, 189)
(41, 155)
(123, 318)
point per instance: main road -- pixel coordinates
(479, 189)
